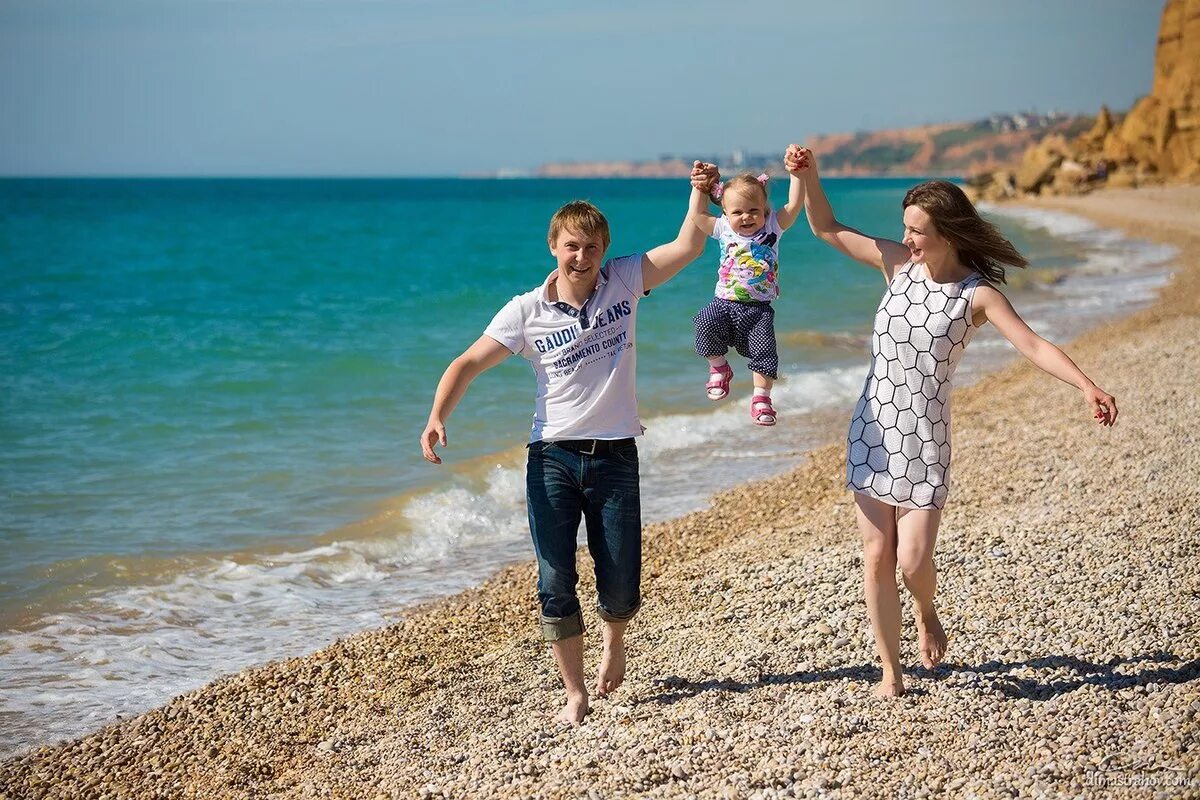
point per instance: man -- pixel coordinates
(578, 330)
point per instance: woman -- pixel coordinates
(940, 290)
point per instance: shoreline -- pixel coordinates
(356, 716)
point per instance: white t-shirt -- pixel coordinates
(586, 363)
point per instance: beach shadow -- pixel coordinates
(1162, 668)
(990, 675)
(681, 688)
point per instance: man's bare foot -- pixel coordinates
(612, 667)
(575, 710)
(931, 638)
(890, 687)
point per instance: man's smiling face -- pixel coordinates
(579, 256)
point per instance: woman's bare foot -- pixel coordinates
(575, 709)
(890, 687)
(931, 638)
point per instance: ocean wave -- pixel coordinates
(834, 340)
(1056, 223)
(1109, 250)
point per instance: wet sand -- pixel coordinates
(1069, 570)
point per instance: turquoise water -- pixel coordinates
(212, 390)
(199, 365)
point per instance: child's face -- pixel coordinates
(746, 211)
(921, 237)
(579, 256)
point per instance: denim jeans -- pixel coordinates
(563, 486)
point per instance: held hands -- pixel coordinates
(435, 432)
(799, 159)
(1103, 405)
(705, 176)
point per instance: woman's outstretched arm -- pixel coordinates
(885, 255)
(1045, 355)
(794, 206)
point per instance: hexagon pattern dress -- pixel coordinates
(899, 442)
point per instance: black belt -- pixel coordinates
(591, 447)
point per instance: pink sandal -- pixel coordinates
(718, 381)
(761, 410)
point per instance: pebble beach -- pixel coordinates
(1069, 586)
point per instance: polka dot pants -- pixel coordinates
(747, 327)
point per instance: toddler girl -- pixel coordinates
(741, 315)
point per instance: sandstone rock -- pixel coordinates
(1037, 167)
(1100, 128)
(1164, 127)
(1177, 60)
(1072, 177)
(1116, 149)
(1140, 132)
(1156, 141)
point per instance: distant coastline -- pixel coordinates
(952, 149)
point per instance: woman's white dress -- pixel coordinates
(899, 441)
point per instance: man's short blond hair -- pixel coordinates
(581, 217)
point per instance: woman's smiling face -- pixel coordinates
(921, 236)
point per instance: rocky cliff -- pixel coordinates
(1157, 141)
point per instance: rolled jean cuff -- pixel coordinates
(555, 629)
(607, 617)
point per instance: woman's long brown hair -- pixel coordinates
(979, 243)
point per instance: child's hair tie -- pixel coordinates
(763, 178)
(717, 190)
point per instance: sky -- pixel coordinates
(416, 87)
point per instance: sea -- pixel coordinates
(212, 390)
